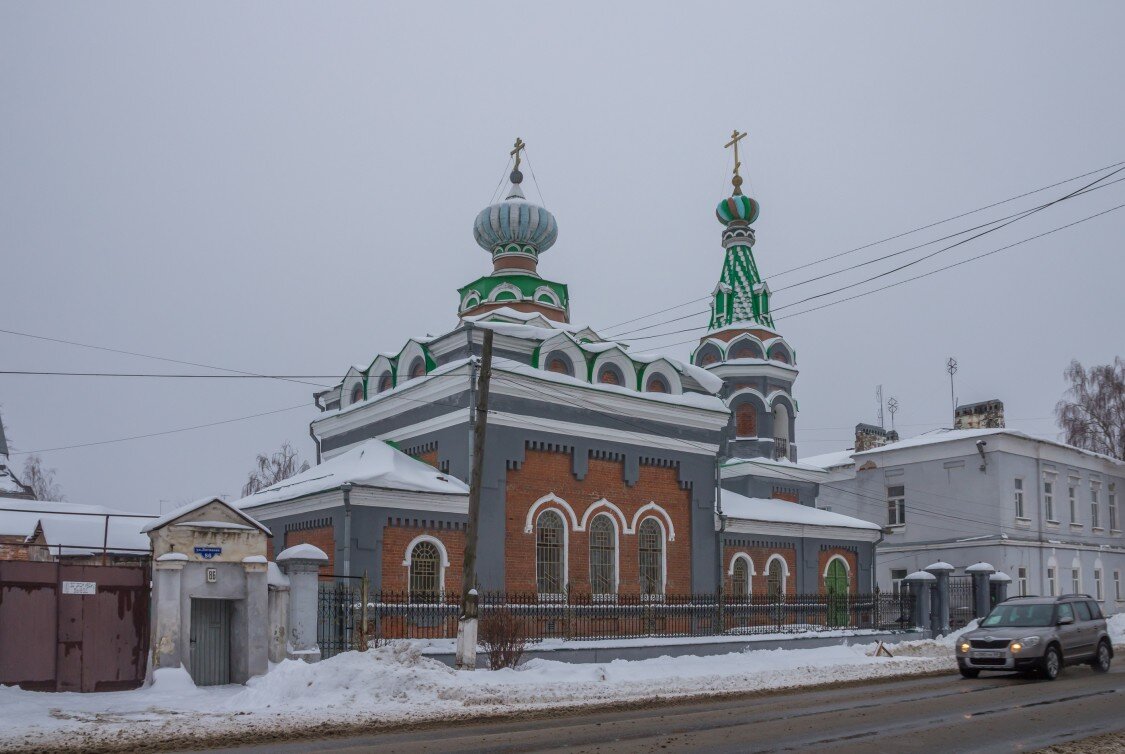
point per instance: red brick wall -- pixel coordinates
(759, 556)
(780, 493)
(269, 548)
(430, 457)
(14, 548)
(397, 538)
(848, 556)
(546, 472)
(322, 537)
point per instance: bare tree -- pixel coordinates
(1092, 414)
(41, 480)
(272, 469)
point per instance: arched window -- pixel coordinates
(651, 546)
(746, 420)
(357, 392)
(559, 363)
(603, 555)
(610, 374)
(836, 589)
(740, 578)
(385, 382)
(745, 350)
(425, 571)
(505, 296)
(775, 579)
(778, 353)
(549, 540)
(657, 384)
(418, 368)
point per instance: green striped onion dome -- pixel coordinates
(737, 208)
(515, 221)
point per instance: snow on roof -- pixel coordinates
(785, 512)
(183, 510)
(402, 387)
(80, 529)
(510, 313)
(303, 551)
(830, 460)
(952, 435)
(780, 463)
(693, 400)
(372, 463)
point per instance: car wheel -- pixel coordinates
(969, 672)
(1101, 660)
(1051, 665)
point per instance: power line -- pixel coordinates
(159, 375)
(148, 356)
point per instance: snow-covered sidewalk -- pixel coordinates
(398, 684)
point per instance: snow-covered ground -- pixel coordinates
(398, 684)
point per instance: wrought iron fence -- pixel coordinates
(962, 606)
(399, 615)
(340, 611)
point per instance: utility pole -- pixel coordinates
(467, 623)
(951, 367)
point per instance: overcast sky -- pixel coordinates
(290, 188)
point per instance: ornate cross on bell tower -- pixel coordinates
(518, 147)
(735, 137)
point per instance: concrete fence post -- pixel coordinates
(166, 643)
(278, 609)
(981, 594)
(301, 564)
(941, 571)
(998, 583)
(920, 586)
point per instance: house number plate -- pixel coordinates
(212, 575)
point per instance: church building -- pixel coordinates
(601, 465)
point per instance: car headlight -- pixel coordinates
(1025, 642)
(964, 646)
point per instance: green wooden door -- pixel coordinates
(836, 589)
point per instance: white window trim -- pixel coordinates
(784, 573)
(565, 556)
(663, 556)
(616, 556)
(750, 574)
(620, 523)
(661, 515)
(443, 559)
(549, 499)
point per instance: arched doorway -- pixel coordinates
(836, 590)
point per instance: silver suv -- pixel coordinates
(1037, 634)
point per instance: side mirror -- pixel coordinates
(1066, 620)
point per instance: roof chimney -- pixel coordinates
(984, 415)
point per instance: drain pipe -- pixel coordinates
(347, 488)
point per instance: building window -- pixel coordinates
(896, 505)
(740, 578)
(779, 354)
(898, 575)
(1114, 524)
(357, 392)
(1021, 580)
(549, 540)
(1095, 509)
(425, 571)
(745, 350)
(775, 579)
(651, 548)
(1076, 581)
(609, 374)
(1072, 496)
(418, 368)
(1019, 497)
(657, 384)
(1052, 582)
(746, 420)
(1117, 585)
(1049, 500)
(559, 363)
(603, 556)
(385, 382)
(1098, 585)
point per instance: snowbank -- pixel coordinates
(396, 684)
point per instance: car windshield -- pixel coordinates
(1020, 615)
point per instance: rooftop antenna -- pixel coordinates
(892, 408)
(951, 367)
(879, 403)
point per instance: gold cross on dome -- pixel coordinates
(736, 137)
(519, 146)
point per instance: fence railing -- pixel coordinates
(392, 615)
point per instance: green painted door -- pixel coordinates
(836, 589)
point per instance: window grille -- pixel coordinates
(740, 579)
(603, 556)
(549, 553)
(775, 580)
(651, 546)
(896, 505)
(425, 571)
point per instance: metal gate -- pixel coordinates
(70, 627)
(339, 614)
(962, 609)
(210, 642)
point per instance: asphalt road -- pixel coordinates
(937, 714)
